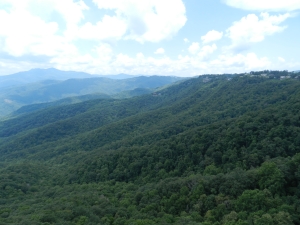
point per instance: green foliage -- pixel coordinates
(271, 177)
(216, 152)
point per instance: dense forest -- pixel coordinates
(216, 149)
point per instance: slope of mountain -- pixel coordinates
(205, 151)
(51, 90)
(120, 76)
(36, 75)
(65, 101)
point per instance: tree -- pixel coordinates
(271, 177)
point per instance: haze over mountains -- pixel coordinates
(36, 75)
(41, 86)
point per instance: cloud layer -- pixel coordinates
(147, 20)
(211, 36)
(55, 33)
(253, 28)
(266, 5)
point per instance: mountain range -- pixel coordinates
(42, 86)
(36, 75)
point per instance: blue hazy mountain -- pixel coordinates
(36, 75)
(119, 76)
(59, 87)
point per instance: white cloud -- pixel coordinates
(25, 30)
(109, 28)
(207, 50)
(105, 61)
(159, 51)
(266, 5)
(70, 10)
(240, 62)
(98, 61)
(194, 48)
(104, 52)
(140, 56)
(251, 29)
(147, 20)
(212, 35)
(186, 40)
(30, 29)
(202, 52)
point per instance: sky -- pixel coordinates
(150, 37)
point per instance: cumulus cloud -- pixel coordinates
(26, 33)
(147, 20)
(106, 61)
(104, 52)
(211, 36)
(98, 60)
(70, 10)
(249, 61)
(202, 52)
(251, 29)
(25, 30)
(207, 50)
(109, 28)
(223, 63)
(281, 59)
(44, 35)
(159, 51)
(194, 48)
(270, 5)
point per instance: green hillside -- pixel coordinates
(13, 98)
(209, 150)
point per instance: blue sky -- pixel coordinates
(162, 37)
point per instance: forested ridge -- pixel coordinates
(217, 149)
(62, 92)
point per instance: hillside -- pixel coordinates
(209, 150)
(37, 75)
(46, 91)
